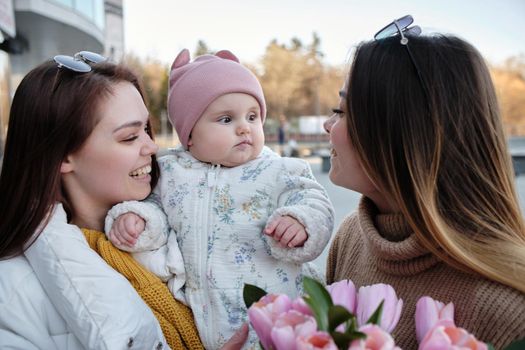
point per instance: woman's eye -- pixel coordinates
(225, 120)
(131, 138)
(338, 111)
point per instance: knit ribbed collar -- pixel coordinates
(391, 241)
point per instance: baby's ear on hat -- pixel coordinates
(227, 55)
(182, 58)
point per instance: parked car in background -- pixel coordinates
(517, 151)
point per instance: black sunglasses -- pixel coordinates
(80, 62)
(401, 27)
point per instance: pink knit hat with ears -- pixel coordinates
(194, 85)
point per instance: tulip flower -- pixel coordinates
(343, 293)
(289, 326)
(300, 305)
(316, 341)
(263, 314)
(446, 336)
(369, 298)
(428, 313)
(376, 339)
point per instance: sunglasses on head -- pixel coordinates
(401, 27)
(80, 62)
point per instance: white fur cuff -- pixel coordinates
(318, 227)
(155, 233)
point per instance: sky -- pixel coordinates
(161, 28)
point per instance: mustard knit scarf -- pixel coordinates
(176, 319)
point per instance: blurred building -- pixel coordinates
(33, 31)
(114, 37)
(51, 27)
(7, 45)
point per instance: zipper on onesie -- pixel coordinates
(212, 175)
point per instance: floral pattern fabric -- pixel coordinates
(218, 215)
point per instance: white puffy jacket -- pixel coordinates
(61, 295)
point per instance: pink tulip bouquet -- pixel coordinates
(336, 317)
(339, 317)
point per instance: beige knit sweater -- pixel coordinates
(378, 248)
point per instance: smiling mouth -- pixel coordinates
(145, 170)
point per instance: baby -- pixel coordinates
(238, 212)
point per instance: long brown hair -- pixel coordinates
(52, 114)
(436, 147)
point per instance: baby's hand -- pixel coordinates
(287, 231)
(126, 229)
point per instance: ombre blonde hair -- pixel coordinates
(435, 146)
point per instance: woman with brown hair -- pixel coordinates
(418, 132)
(78, 142)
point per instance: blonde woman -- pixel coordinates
(419, 134)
